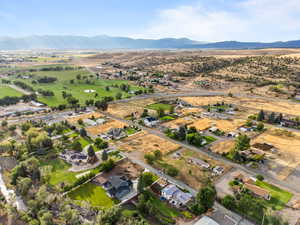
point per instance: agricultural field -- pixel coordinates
(144, 143)
(93, 194)
(8, 91)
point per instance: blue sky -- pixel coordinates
(203, 20)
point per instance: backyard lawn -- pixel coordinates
(93, 194)
(156, 106)
(60, 172)
(279, 197)
(8, 91)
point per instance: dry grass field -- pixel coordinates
(288, 144)
(223, 125)
(180, 122)
(274, 105)
(125, 109)
(75, 119)
(104, 128)
(191, 174)
(147, 143)
(223, 147)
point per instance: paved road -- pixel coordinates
(11, 197)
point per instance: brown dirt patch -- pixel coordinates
(75, 119)
(288, 146)
(223, 147)
(147, 143)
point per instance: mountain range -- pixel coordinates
(64, 42)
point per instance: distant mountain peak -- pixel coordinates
(108, 42)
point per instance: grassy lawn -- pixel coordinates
(167, 118)
(93, 194)
(130, 131)
(60, 172)
(84, 141)
(8, 91)
(156, 106)
(209, 139)
(279, 197)
(77, 88)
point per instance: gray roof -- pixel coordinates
(206, 221)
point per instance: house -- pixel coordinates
(218, 170)
(244, 129)
(199, 162)
(116, 133)
(118, 186)
(100, 121)
(89, 122)
(258, 191)
(175, 196)
(232, 134)
(205, 220)
(150, 121)
(289, 123)
(213, 129)
(37, 104)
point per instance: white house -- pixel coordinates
(150, 121)
(175, 196)
(89, 122)
(218, 170)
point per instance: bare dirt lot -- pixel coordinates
(104, 128)
(123, 168)
(147, 143)
(223, 125)
(75, 119)
(223, 147)
(189, 173)
(126, 109)
(288, 145)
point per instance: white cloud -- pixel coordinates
(250, 20)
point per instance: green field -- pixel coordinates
(8, 91)
(93, 194)
(156, 106)
(77, 89)
(60, 172)
(279, 197)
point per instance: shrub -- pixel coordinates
(260, 177)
